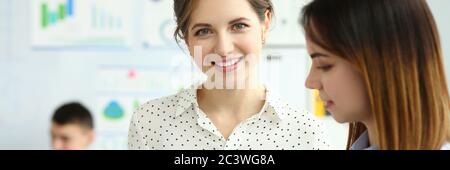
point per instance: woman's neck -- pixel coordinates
(242, 102)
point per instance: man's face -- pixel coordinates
(70, 137)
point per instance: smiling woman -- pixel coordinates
(225, 38)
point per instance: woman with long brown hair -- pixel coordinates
(378, 65)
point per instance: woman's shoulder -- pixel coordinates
(163, 106)
(291, 111)
(309, 126)
(284, 107)
(295, 115)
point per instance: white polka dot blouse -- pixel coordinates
(177, 123)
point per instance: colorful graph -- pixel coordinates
(49, 17)
(113, 110)
(68, 23)
(116, 111)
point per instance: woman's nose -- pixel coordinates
(312, 81)
(224, 45)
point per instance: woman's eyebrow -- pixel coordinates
(315, 55)
(237, 20)
(209, 25)
(200, 25)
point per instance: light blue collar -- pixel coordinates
(362, 143)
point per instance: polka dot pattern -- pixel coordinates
(176, 123)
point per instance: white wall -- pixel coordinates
(440, 9)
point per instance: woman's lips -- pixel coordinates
(328, 104)
(227, 65)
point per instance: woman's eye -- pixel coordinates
(202, 32)
(239, 26)
(324, 67)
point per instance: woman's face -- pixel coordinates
(229, 37)
(340, 84)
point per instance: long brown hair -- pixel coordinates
(395, 45)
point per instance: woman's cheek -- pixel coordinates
(199, 51)
(348, 91)
(337, 89)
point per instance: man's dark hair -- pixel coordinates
(73, 113)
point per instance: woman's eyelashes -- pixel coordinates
(203, 32)
(322, 63)
(239, 27)
(235, 28)
(324, 67)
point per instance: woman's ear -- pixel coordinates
(266, 26)
(91, 136)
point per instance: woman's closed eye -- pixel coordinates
(322, 63)
(324, 67)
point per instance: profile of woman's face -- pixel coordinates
(229, 30)
(340, 84)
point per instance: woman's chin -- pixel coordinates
(338, 118)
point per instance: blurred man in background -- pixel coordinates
(72, 128)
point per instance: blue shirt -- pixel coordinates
(363, 143)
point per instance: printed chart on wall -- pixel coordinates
(158, 24)
(121, 89)
(113, 115)
(68, 23)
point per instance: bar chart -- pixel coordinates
(102, 20)
(81, 23)
(50, 17)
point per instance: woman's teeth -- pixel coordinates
(228, 63)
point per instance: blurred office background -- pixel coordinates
(113, 55)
